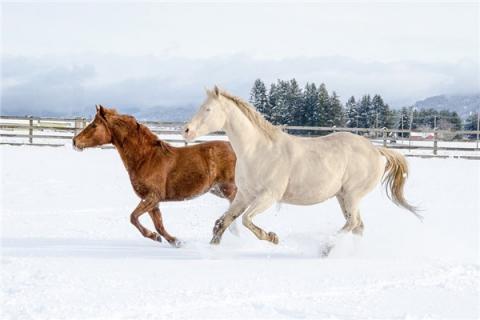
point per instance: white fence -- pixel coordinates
(42, 131)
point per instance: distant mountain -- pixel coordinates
(163, 114)
(157, 113)
(462, 104)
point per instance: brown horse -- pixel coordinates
(158, 171)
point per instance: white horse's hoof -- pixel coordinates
(215, 240)
(273, 238)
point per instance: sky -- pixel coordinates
(66, 56)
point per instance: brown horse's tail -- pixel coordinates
(396, 172)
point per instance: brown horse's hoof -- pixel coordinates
(215, 240)
(175, 243)
(155, 237)
(272, 237)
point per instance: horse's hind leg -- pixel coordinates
(351, 212)
(260, 204)
(236, 208)
(157, 219)
(227, 190)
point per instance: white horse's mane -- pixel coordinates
(253, 115)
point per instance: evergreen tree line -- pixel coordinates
(471, 123)
(286, 103)
(429, 119)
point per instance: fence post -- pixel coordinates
(478, 125)
(78, 125)
(30, 129)
(435, 141)
(334, 128)
(409, 139)
(84, 123)
(384, 137)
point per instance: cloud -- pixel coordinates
(72, 85)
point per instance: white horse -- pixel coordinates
(273, 166)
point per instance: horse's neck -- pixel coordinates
(131, 148)
(244, 135)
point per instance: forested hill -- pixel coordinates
(285, 102)
(464, 105)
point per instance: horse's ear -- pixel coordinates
(101, 111)
(96, 107)
(216, 91)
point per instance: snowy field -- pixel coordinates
(68, 250)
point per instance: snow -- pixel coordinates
(68, 250)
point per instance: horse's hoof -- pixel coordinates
(358, 231)
(156, 237)
(215, 240)
(175, 243)
(272, 237)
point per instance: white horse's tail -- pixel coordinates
(394, 177)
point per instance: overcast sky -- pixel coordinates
(122, 52)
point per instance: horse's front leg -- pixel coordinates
(145, 205)
(261, 203)
(157, 219)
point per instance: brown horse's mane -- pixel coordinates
(129, 128)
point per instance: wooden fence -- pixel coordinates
(46, 131)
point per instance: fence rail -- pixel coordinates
(57, 131)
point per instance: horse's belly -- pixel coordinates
(311, 191)
(307, 198)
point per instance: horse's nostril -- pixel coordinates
(186, 130)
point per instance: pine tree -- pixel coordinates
(272, 101)
(415, 120)
(471, 122)
(378, 112)
(295, 104)
(364, 112)
(258, 97)
(389, 120)
(336, 110)
(403, 122)
(323, 107)
(310, 105)
(352, 113)
(449, 120)
(279, 103)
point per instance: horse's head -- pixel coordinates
(97, 133)
(210, 117)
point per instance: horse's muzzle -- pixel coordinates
(76, 147)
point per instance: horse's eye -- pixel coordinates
(208, 109)
(94, 125)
